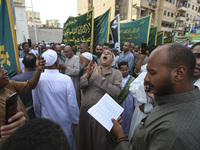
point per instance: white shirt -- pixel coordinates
(55, 98)
(197, 83)
(137, 91)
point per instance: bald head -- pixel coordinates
(68, 48)
(83, 48)
(174, 55)
(68, 51)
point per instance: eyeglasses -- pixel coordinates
(100, 49)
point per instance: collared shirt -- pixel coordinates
(55, 98)
(126, 57)
(172, 124)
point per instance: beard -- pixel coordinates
(98, 54)
(82, 66)
(165, 89)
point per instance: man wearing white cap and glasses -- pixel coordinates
(85, 59)
(55, 98)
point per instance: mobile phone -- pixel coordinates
(148, 88)
(40, 51)
(11, 107)
(144, 48)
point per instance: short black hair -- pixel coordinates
(177, 55)
(29, 60)
(193, 46)
(106, 44)
(37, 134)
(122, 63)
(24, 43)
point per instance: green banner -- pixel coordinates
(153, 37)
(9, 56)
(169, 39)
(79, 30)
(135, 31)
(160, 39)
(102, 28)
(196, 36)
(183, 40)
(114, 37)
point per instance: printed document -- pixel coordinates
(104, 110)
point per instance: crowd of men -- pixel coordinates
(159, 91)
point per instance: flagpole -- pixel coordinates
(119, 32)
(34, 23)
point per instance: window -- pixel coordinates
(168, 14)
(192, 7)
(187, 15)
(196, 8)
(172, 14)
(188, 5)
(165, 12)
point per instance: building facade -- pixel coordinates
(21, 26)
(53, 23)
(30, 19)
(167, 15)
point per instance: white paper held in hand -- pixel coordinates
(106, 109)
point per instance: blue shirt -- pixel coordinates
(127, 57)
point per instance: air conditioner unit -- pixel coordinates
(121, 17)
(117, 6)
(150, 4)
(154, 6)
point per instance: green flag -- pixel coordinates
(79, 30)
(169, 39)
(9, 56)
(102, 28)
(135, 31)
(114, 37)
(153, 37)
(160, 39)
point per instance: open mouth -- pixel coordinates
(105, 58)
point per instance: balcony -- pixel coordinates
(182, 8)
(166, 29)
(179, 28)
(18, 1)
(180, 18)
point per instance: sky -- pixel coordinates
(54, 9)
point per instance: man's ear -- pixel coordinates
(57, 62)
(179, 73)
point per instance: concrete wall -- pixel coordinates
(21, 24)
(47, 34)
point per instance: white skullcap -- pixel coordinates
(41, 43)
(87, 55)
(50, 56)
(48, 46)
(62, 45)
